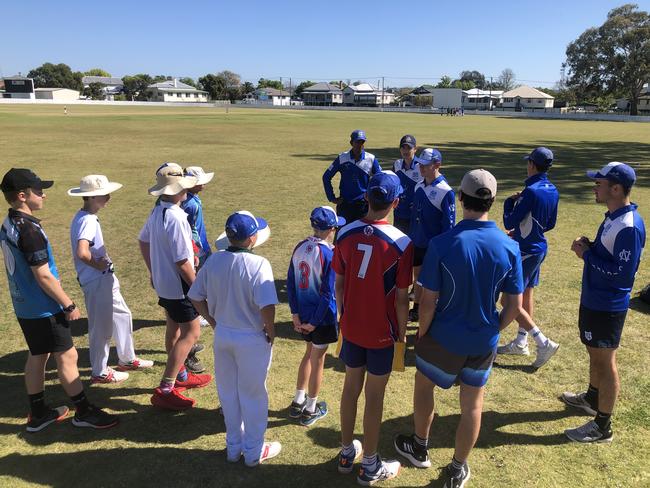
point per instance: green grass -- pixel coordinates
(271, 162)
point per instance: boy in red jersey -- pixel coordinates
(373, 262)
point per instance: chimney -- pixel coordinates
(175, 82)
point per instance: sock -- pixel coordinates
(299, 397)
(167, 385)
(420, 442)
(603, 420)
(456, 467)
(310, 406)
(592, 396)
(81, 403)
(348, 450)
(540, 338)
(182, 374)
(522, 337)
(370, 462)
(37, 404)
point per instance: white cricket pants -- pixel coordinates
(108, 316)
(241, 362)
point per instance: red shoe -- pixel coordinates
(194, 380)
(173, 400)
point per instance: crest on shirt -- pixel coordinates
(310, 247)
(588, 335)
(624, 255)
(368, 230)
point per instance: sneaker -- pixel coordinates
(414, 315)
(269, 450)
(195, 380)
(111, 376)
(310, 418)
(95, 418)
(193, 364)
(35, 424)
(196, 348)
(545, 353)
(347, 462)
(295, 409)
(459, 480)
(173, 400)
(386, 470)
(513, 348)
(590, 432)
(578, 400)
(137, 363)
(407, 446)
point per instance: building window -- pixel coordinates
(529, 100)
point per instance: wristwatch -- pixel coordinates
(70, 307)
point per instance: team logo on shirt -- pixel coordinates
(368, 230)
(624, 255)
(588, 335)
(310, 248)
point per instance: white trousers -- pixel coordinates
(108, 316)
(241, 363)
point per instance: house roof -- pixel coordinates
(322, 87)
(476, 92)
(175, 86)
(16, 77)
(104, 80)
(526, 92)
(54, 89)
(273, 92)
(363, 87)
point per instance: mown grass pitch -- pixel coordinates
(271, 162)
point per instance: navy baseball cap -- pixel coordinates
(430, 156)
(17, 179)
(387, 184)
(615, 172)
(358, 135)
(542, 156)
(409, 140)
(243, 224)
(324, 218)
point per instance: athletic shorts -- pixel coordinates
(322, 335)
(352, 211)
(47, 334)
(530, 265)
(180, 310)
(402, 224)
(418, 255)
(444, 368)
(600, 329)
(377, 361)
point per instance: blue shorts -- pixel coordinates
(377, 361)
(530, 265)
(444, 368)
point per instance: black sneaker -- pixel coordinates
(35, 424)
(196, 348)
(411, 450)
(95, 418)
(193, 364)
(457, 480)
(295, 410)
(414, 315)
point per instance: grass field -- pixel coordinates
(271, 162)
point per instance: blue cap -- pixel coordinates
(243, 224)
(358, 135)
(324, 218)
(542, 156)
(615, 172)
(429, 156)
(409, 140)
(387, 184)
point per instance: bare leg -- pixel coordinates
(609, 385)
(189, 334)
(35, 373)
(317, 363)
(417, 289)
(304, 370)
(471, 407)
(423, 403)
(172, 333)
(375, 389)
(68, 372)
(352, 387)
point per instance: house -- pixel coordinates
(526, 98)
(477, 99)
(623, 104)
(111, 86)
(322, 94)
(441, 98)
(18, 87)
(57, 94)
(366, 95)
(272, 96)
(175, 91)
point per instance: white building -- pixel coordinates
(441, 98)
(322, 94)
(272, 96)
(57, 94)
(175, 91)
(111, 86)
(477, 99)
(366, 95)
(526, 98)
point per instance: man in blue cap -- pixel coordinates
(528, 215)
(356, 167)
(610, 263)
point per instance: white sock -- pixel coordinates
(310, 406)
(522, 337)
(300, 396)
(540, 338)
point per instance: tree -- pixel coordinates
(213, 85)
(247, 87)
(188, 81)
(264, 83)
(506, 80)
(97, 72)
(136, 87)
(301, 87)
(56, 76)
(463, 84)
(445, 82)
(477, 78)
(223, 85)
(614, 58)
(95, 91)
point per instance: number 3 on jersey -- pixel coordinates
(366, 249)
(305, 271)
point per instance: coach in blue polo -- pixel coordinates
(356, 167)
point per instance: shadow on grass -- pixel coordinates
(639, 305)
(79, 328)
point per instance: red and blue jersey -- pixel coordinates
(375, 259)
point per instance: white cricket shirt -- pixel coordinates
(85, 226)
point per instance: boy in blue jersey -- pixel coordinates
(463, 274)
(527, 216)
(610, 264)
(409, 175)
(42, 307)
(356, 167)
(310, 286)
(433, 213)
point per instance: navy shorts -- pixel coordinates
(444, 368)
(600, 329)
(418, 255)
(530, 266)
(47, 334)
(322, 335)
(377, 361)
(402, 224)
(180, 311)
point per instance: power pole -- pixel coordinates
(382, 93)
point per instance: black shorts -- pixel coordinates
(48, 334)
(352, 211)
(418, 255)
(402, 224)
(322, 335)
(180, 310)
(600, 329)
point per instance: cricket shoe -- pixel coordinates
(269, 450)
(310, 418)
(174, 400)
(295, 409)
(195, 380)
(137, 363)
(346, 461)
(384, 470)
(514, 349)
(111, 376)
(578, 400)
(546, 352)
(36, 424)
(94, 418)
(193, 364)
(590, 432)
(407, 446)
(196, 348)
(457, 480)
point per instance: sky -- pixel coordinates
(407, 43)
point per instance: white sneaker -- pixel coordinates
(514, 349)
(111, 376)
(269, 450)
(137, 363)
(386, 470)
(544, 353)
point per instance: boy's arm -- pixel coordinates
(514, 214)
(339, 287)
(52, 287)
(186, 270)
(268, 319)
(326, 290)
(144, 250)
(327, 181)
(202, 308)
(83, 253)
(427, 310)
(402, 310)
(449, 211)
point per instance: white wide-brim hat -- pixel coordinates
(170, 180)
(202, 178)
(263, 235)
(93, 186)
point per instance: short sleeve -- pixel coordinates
(198, 290)
(179, 236)
(33, 244)
(144, 232)
(405, 268)
(87, 229)
(430, 275)
(264, 286)
(513, 284)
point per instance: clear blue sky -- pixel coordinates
(407, 42)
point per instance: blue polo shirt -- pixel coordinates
(355, 175)
(433, 212)
(194, 210)
(408, 177)
(532, 214)
(470, 266)
(612, 261)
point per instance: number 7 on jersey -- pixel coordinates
(366, 249)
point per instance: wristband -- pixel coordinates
(70, 307)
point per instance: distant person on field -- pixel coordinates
(409, 175)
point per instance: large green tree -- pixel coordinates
(445, 82)
(56, 76)
(475, 77)
(97, 72)
(95, 91)
(301, 87)
(264, 83)
(613, 59)
(136, 86)
(224, 85)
